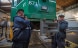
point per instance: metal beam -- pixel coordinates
(71, 7)
(6, 6)
(58, 6)
(3, 12)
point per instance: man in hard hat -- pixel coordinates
(22, 30)
(59, 38)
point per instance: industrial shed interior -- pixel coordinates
(40, 36)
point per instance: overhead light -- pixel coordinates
(4, 1)
(6, 6)
(76, 16)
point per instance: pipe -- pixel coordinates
(4, 12)
(0, 3)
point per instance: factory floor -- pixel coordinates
(35, 42)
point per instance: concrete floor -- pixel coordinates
(73, 37)
(35, 43)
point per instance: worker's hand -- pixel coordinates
(26, 18)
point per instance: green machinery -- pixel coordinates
(35, 10)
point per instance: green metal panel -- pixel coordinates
(36, 9)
